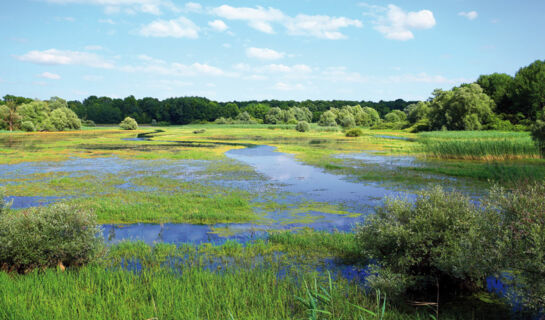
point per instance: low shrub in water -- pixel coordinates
(302, 126)
(354, 132)
(45, 237)
(434, 245)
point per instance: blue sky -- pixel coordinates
(240, 50)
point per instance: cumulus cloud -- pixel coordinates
(193, 7)
(297, 69)
(471, 15)
(263, 19)
(218, 25)
(264, 54)
(397, 24)
(49, 75)
(319, 26)
(65, 57)
(177, 28)
(258, 18)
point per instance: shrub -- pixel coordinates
(354, 132)
(222, 120)
(44, 237)
(62, 119)
(28, 126)
(521, 230)
(538, 134)
(129, 124)
(302, 126)
(199, 131)
(435, 243)
(88, 123)
(153, 122)
(4, 206)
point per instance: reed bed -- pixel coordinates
(479, 145)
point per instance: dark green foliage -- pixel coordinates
(354, 132)
(435, 243)
(44, 237)
(498, 86)
(128, 124)
(528, 92)
(538, 134)
(302, 126)
(199, 131)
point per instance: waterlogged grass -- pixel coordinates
(259, 280)
(479, 145)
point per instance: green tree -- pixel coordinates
(56, 102)
(418, 111)
(328, 119)
(463, 108)
(129, 124)
(9, 115)
(275, 116)
(373, 114)
(528, 93)
(62, 119)
(302, 126)
(36, 112)
(538, 133)
(498, 86)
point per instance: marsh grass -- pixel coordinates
(479, 145)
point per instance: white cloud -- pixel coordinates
(177, 28)
(128, 6)
(320, 26)
(471, 15)
(398, 24)
(218, 25)
(297, 69)
(264, 54)
(258, 18)
(262, 19)
(49, 75)
(160, 67)
(65, 57)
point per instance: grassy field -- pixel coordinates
(261, 280)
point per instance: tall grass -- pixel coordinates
(479, 145)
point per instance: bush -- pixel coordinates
(434, 244)
(28, 126)
(129, 124)
(88, 123)
(302, 126)
(199, 131)
(538, 135)
(62, 119)
(4, 206)
(354, 132)
(222, 120)
(521, 230)
(44, 237)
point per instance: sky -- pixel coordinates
(245, 50)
